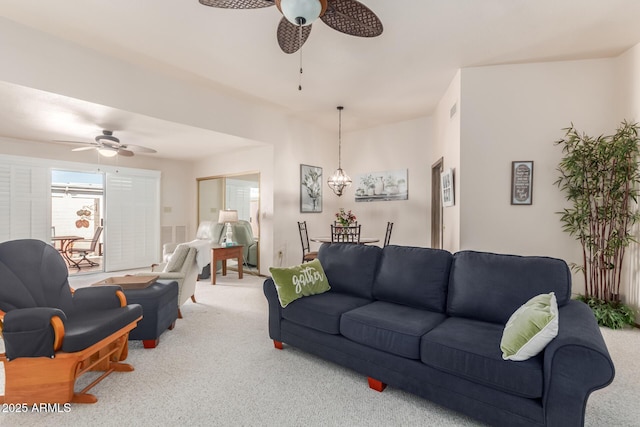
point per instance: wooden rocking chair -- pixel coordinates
(52, 335)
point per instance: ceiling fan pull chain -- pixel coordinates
(300, 41)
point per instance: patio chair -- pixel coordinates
(84, 248)
(52, 334)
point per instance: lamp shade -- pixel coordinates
(301, 12)
(228, 216)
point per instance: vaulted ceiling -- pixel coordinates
(397, 76)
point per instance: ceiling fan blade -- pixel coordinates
(289, 36)
(139, 149)
(238, 4)
(76, 142)
(126, 153)
(353, 18)
(84, 148)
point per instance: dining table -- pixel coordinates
(327, 239)
(65, 245)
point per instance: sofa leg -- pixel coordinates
(150, 343)
(376, 385)
(193, 298)
(277, 344)
(171, 326)
(179, 313)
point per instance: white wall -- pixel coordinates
(447, 147)
(628, 67)
(404, 145)
(516, 112)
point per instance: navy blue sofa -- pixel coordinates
(430, 322)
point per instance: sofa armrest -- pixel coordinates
(98, 298)
(28, 332)
(275, 309)
(576, 363)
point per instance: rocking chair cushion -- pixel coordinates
(87, 328)
(96, 298)
(27, 332)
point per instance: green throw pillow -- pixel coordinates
(299, 281)
(530, 328)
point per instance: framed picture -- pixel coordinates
(522, 183)
(381, 186)
(310, 189)
(446, 186)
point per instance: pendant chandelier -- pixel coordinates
(339, 180)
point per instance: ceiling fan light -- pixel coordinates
(301, 12)
(107, 152)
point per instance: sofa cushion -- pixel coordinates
(471, 349)
(417, 277)
(299, 281)
(530, 328)
(490, 287)
(390, 327)
(322, 312)
(350, 268)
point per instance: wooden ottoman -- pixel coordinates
(159, 303)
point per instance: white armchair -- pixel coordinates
(208, 234)
(182, 268)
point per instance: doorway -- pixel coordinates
(240, 192)
(77, 216)
(436, 205)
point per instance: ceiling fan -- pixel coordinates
(347, 16)
(110, 146)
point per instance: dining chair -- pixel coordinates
(387, 236)
(349, 234)
(84, 248)
(307, 254)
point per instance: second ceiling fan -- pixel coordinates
(109, 146)
(347, 16)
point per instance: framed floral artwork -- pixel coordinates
(310, 189)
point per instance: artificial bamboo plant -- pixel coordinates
(601, 178)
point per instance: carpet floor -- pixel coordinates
(218, 367)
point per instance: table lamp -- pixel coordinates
(227, 217)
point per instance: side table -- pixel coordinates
(223, 253)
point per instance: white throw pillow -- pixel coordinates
(530, 328)
(177, 259)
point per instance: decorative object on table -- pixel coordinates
(447, 188)
(345, 218)
(228, 216)
(522, 183)
(603, 211)
(310, 189)
(128, 281)
(339, 180)
(382, 186)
